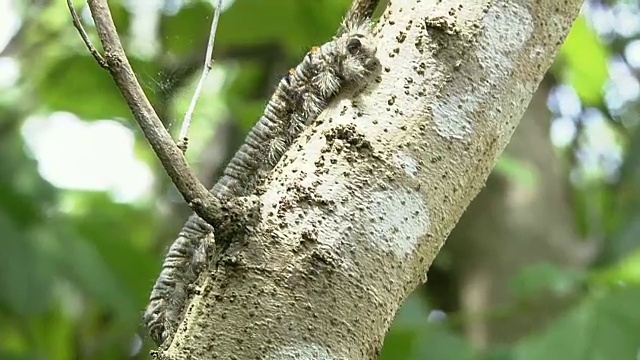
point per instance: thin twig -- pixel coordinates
(172, 159)
(208, 64)
(83, 34)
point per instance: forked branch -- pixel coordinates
(172, 159)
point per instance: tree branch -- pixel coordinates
(85, 37)
(208, 64)
(357, 210)
(172, 159)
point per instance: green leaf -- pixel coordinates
(13, 356)
(517, 171)
(413, 337)
(406, 330)
(18, 206)
(544, 277)
(604, 327)
(77, 84)
(591, 202)
(72, 84)
(55, 17)
(626, 271)
(438, 342)
(498, 352)
(188, 29)
(261, 22)
(79, 261)
(121, 16)
(292, 23)
(23, 193)
(53, 333)
(623, 213)
(319, 19)
(123, 253)
(25, 274)
(587, 74)
(399, 344)
(242, 104)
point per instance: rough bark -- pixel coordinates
(357, 210)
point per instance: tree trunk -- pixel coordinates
(356, 211)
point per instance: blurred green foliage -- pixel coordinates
(74, 278)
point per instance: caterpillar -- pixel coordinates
(359, 11)
(298, 99)
(347, 61)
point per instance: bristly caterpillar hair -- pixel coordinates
(359, 11)
(300, 97)
(185, 260)
(347, 61)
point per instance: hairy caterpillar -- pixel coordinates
(346, 61)
(360, 10)
(299, 98)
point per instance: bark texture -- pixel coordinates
(358, 208)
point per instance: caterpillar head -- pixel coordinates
(357, 51)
